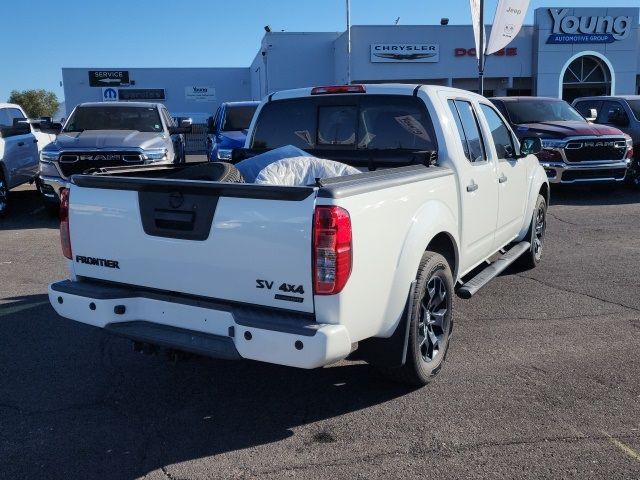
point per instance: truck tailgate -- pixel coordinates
(233, 242)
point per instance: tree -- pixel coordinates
(37, 103)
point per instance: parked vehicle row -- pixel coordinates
(20, 142)
(365, 264)
(574, 150)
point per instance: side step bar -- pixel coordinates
(467, 290)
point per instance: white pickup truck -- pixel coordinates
(364, 265)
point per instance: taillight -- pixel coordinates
(331, 250)
(338, 89)
(65, 238)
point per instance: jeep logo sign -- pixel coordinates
(587, 28)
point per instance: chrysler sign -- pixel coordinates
(587, 28)
(405, 52)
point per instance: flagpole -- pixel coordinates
(481, 52)
(348, 42)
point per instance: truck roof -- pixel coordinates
(524, 97)
(377, 89)
(247, 103)
(609, 97)
(119, 104)
(9, 105)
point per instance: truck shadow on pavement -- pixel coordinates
(27, 211)
(595, 195)
(75, 402)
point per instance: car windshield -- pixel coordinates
(634, 105)
(142, 119)
(349, 122)
(536, 111)
(238, 118)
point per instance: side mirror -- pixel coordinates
(186, 122)
(530, 146)
(593, 114)
(47, 126)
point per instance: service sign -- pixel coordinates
(108, 78)
(405, 52)
(570, 29)
(200, 94)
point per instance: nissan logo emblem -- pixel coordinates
(176, 199)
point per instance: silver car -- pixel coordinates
(109, 134)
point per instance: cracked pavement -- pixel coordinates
(542, 380)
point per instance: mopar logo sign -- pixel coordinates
(402, 52)
(587, 28)
(109, 94)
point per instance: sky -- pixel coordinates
(43, 36)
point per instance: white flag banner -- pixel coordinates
(475, 21)
(507, 23)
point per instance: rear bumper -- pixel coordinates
(586, 172)
(201, 326)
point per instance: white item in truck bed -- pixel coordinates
(302, 171)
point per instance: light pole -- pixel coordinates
(481, 52)
(348, 42)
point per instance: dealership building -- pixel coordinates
(567, 52)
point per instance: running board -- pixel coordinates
(492, 270)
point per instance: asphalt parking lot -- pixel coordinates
(542, 379)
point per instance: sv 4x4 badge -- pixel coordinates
(284, 287)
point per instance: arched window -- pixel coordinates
(584, 76)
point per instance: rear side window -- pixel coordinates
(468, 130)
(349, 122)
(499, 132)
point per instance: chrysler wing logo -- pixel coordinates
(404, 56)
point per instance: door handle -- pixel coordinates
(20, 144)
(473, 187)
(502, 179)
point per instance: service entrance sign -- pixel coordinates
(108, 78)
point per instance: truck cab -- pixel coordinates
(227, 129)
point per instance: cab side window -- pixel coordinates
(613, 113)
(500, 133)
(468, 130)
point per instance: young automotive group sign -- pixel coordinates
(587, 28)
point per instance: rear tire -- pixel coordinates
(431, 322)
(531, 258)
(4, 196)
